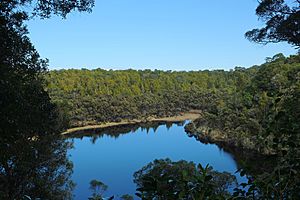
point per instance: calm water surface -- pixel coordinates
(114, 160)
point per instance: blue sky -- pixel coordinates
(154, 34)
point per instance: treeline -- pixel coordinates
(256, 109)
(263, 108)
(245, 108)
(93, 96)
(263, 116)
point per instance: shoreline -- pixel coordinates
(212, 136)
(190, 115)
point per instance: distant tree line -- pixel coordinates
(255, 109)
(93, 96)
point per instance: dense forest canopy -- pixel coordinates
(258, 108)
(255, 108)
(262, 116)
(92, 96)
(240, 103)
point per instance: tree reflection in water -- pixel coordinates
(36, 167)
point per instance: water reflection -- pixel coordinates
(113, 155)
(39, 166)
(122, 129)
(251, 162)
(35, 168)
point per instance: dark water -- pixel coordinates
(113, 158)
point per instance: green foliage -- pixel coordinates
(255, 108)
(98, 188)
(33, 162)
(126, 197)
(263, 116)
(24, 104)
(282, 22)
(283, 126)
(44, 8)
(263, 108)
(93, 96)
(164, 179)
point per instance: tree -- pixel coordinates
(164, 179)
(98, 188)
(126, 197)
(33, 163)
(44, 8)
(24, 104)
(282, 22)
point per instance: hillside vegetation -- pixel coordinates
(265, 110)
(262, 116)
(94, 96)
(244, 108)
(256, 109)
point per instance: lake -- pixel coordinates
(113, 157)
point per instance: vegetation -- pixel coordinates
(119, 130)
(164, 179)
(282, 22)
(126, 197)
(261, 110)
(22, 95)
(24, 103)
(262, 116)
(36, 168)
(182, 180)
(98, 188)
(93, 96)
(255, 109)
(33, 163)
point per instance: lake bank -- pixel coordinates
(112, 155)
(191, 115)
(207, 135)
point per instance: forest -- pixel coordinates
(264, 106)
(95, 96)
(252, 109)
(239, 107)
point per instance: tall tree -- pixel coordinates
(282, 22)
(24, 104)
(33, 164)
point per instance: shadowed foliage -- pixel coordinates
(164, 179)
(35, 167)
(33, 162)
(282, 22)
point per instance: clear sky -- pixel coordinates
(154, 34)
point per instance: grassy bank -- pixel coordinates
(191, 115)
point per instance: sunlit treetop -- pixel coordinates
(45, 8)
